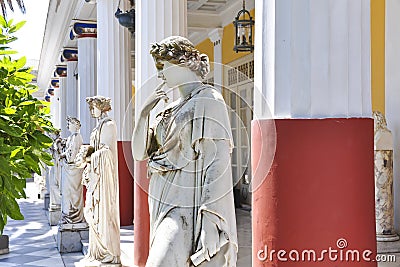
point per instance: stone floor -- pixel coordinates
(33, 241)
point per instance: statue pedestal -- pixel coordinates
(87, 263)
(4, 244)
(387, 238)
(46, 201)
(69, 237)
(54, 216)
(388, 247)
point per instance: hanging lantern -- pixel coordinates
(126, 19)
(243, 31)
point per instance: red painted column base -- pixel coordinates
(125, 176)
(141, 230)
(319, 189)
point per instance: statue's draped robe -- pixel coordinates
(190, 170)
(55, 177)
(72, 198)
(102, 196)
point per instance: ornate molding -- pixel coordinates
(216, 36)
(55, 82)
(60, 71)
(69, 54)
(82, 29)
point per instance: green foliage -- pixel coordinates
(24, 120)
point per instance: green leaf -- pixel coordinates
(10, 129)
(4, 166)
(15, 151)
(7, 52)
(26, 103)
(42, 138)
(13, 209)
(31, 163)
(9, 111)
(20, 63)
(17, 26)
(2, 223)
(3, 22)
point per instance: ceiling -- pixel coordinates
(203, 16)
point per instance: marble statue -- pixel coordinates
(383, 163)
(55, 172)
(101, 180)
(71, 190)
(188, 147)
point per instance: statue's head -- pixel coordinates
(180, 51)
(98, 105)
(74, 122)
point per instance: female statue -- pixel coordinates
(192, 216)
(55, 172)
(101, 180)
(71, 189)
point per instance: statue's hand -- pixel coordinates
(209, 238)
(153, 100)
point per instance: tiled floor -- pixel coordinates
(33, 241)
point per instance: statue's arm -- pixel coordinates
(142, 135)
(140, 138)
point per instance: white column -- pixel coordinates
(87, 68)
(114, 64)
(216, 38)
(55, 108)
(72, 89)
(155, 20)
(63, 107)
(392, 93)
(312, 58)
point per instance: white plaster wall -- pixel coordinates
(392, 93)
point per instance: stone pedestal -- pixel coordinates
(69, 237)
(54, 216)
(388, 246)
(87, 263)
(4, 244)
(383, 163)
(46, 201)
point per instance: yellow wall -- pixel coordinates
(228, 39)
(206, 47)
(228, 55)
(378, 55)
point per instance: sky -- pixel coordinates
(30, 37)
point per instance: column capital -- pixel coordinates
(60, 71)
(216, 36)
(83, 29)
(55, 82)
(69, 54)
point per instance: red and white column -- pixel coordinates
(155, 20)
(312, 134)
(61, 81)
(86, 33)
(114, 80)
(70, 55)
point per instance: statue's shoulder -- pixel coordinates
(210, 92)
